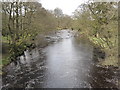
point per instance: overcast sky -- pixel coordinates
(67, 6)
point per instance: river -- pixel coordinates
(67, 63)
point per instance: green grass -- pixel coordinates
(109, 60)
(5, 60)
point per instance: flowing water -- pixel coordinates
(67, 63)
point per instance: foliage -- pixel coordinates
(98, 21)
(22, 22)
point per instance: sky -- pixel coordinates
(67, 6)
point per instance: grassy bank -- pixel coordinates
(42, 40)
(8, 54)
(5, 52)
(111, 54)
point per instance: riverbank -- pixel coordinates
(41, 41)
(66, 62)
(6, 51)
(111, 54)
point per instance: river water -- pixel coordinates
(67, 63)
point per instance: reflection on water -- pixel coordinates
(66, 64)
(63, 64)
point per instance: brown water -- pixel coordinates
(64, 64)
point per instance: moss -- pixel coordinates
(5, 61)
